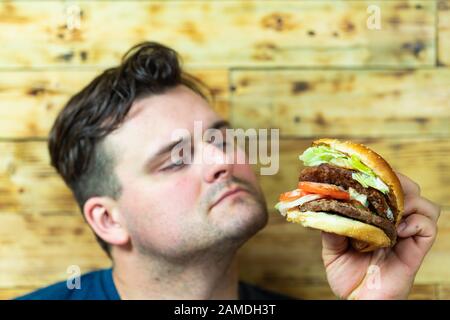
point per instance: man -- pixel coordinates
(172, 228)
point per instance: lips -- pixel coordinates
(227, 194)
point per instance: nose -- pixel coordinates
(216, 165)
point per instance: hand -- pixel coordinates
(386, 273)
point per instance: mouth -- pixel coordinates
(227, 194)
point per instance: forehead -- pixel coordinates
(152, 120)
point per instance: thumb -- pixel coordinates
(333, 245)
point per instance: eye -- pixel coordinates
(174, 165)
(221, 144)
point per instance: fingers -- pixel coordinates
(414, 203)
(422, 206)
(333, 245)
(422, 228)
(416, 235)
(410, 187)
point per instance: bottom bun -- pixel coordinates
(365, 237)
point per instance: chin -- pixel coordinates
(242, 218)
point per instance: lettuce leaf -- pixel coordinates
(314, 156)
(284, 206)
(369, 181)
(358, 197)
(358, 165)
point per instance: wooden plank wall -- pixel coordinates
(310, 68)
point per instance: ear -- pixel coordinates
(104, 217)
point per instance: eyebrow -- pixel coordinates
(220, 124)
(167, 148)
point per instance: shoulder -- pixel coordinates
(249, 291)
(64, 290)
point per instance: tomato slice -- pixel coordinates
(292, 195)
(324, 189)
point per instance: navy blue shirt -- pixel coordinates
(99, 285)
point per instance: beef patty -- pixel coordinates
(347, 209)
(326, 173)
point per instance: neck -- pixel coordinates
(206, 277)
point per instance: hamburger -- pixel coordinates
(346, 189)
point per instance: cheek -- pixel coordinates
(244, 170)
(181, 192)
(157, 211)
(169, 198)
(246, 173)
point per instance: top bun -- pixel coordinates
(375, 162)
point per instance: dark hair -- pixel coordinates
(76, 140)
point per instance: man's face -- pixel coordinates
(178, 210)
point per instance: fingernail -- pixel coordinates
(401, 226)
